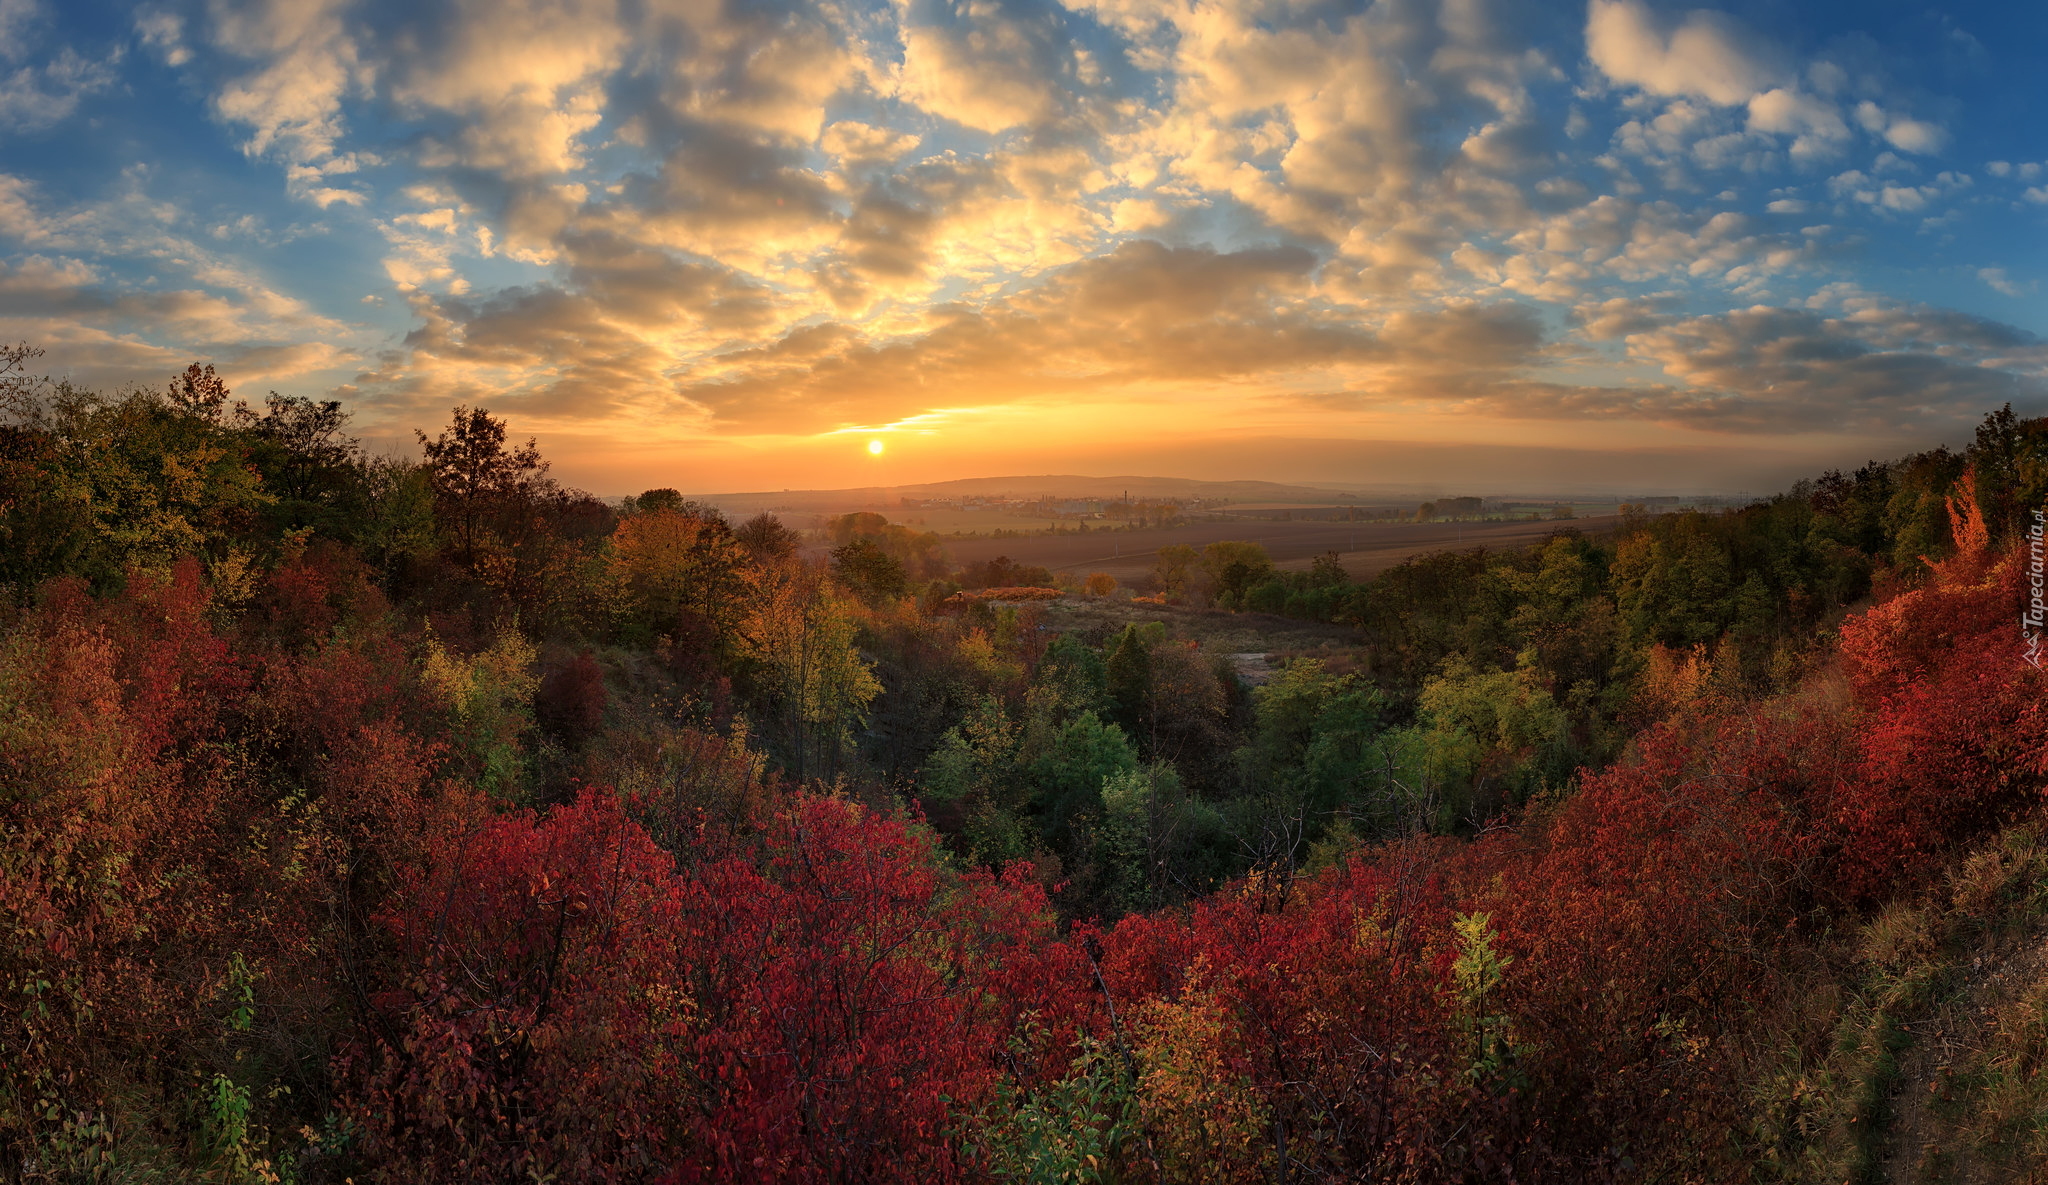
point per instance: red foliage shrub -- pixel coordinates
(714, 979)
(1339, 1023)
(301, 601)
(172, 807)
(126, 871)
(848, 989)
(1952, 731)
(536, 1022)
(1022, 592)
(570, 1002)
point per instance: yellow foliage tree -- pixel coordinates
(802, 639)
(489, 698)
(1205, 1120)
(671, 562)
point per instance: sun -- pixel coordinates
(874, 448)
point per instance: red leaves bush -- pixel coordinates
(1953, 731)
(175, 799)
(569, 1001)
(536, 1022)
(848, 989)
(1022, 592)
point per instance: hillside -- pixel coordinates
(373, 821)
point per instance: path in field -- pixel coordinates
(1365, 549)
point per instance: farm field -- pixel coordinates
(1099, 620)
(947, 521)
(1365, 549)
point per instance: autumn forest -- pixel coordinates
(427, 820)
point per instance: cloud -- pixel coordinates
(992, 66)
(195, 301)
(1915, 135)
(307, 64)
(41, 88)
(1147, 319)
(1706, 56)
(1879, 365)
(1908, 135)
(521, 76)
(1997, 280)
(1145, 313)
(1817, 128)
(163, 31)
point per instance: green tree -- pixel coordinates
(1157, 843)
(314, 469)
(1673, 581)
(1066, 771)
(1562, 614)
(1232, 567)
(682, 574)
(1313, 737)
(815, 683)
(767, 540)
(1075, 673)
(922, 554)
(868, 572)
(1491, 735)
(144, 479)
(1172, 567)
(656, 501)
(1127, 675)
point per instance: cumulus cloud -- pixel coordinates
(197, 300)
(1145, 313)
(993, 66)
(1147, 320)
(1706, 55)
(306, 64)
(1707, 61)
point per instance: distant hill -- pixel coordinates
(1056, 485)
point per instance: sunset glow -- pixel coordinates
(687, 245)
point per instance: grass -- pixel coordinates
(1935, 1064)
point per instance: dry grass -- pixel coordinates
(1935, 1069)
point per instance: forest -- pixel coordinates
(379, 819)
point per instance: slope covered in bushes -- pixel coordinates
(363, 820)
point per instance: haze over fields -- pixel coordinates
(756, 246)
(1364, 549)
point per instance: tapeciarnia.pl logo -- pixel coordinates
(2037, 580)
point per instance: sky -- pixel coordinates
(1494, 246)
